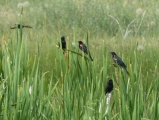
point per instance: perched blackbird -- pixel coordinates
(18, 26)
(83, 47)
(63, 43)
(109, 86)
(119, 61)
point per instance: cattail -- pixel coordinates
(3, 42)
(116, 74)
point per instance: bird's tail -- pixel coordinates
(126, 70)
(90, 56)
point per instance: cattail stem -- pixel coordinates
(3, 43)
(108, 96)
(67, 61)
(117, 79)
(116, 74)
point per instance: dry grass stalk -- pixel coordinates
(3, 42)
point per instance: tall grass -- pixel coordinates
(76, 92)
(39, 82)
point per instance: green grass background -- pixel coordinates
(68, 86)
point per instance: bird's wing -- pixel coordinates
(63, 45)
(85, 49)
(119, 61)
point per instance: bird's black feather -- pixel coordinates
(109, 86)
(83, 47)
(119, 61)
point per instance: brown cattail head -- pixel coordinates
(3, 43)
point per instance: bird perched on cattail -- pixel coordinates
(83, 47)
(108, 90)
(119, 61)
(18, 26)
(109, 86)
(63, 43)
